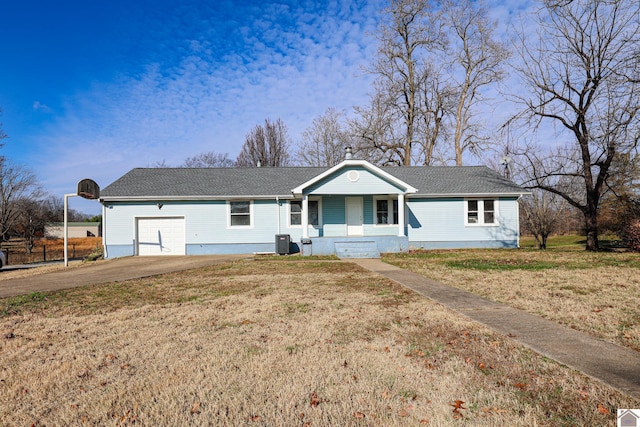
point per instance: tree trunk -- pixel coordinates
(591, 228)
(538, 241)
(543, 243)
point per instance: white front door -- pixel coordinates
(354, 216)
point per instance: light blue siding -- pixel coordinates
(367, 183)
(333, 216)
(206, 223)
(442, 222)
(206, 226)
(431, 223)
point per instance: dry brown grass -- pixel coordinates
(598, 293)
(276, 343)
(81, 243)
(50, 249)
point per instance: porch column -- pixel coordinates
(400, 215)
(305, 216)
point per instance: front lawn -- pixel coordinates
(598, 293)
(287, 342)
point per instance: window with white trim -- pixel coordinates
(481, 212)
(295, 212)
(386, 210)
(240, 213)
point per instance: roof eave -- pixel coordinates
(106, 199)
(467, 195)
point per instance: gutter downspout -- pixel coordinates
(105, 253)
(305, 216)
(278, 208)
(518, 219)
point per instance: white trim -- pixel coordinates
(346, 163)
(391, 218)
(401, 215)
(289, 225)
(251, 220)
(187, 198)
(111, 199)
(467, 195)
(311, 199)
(481, 212)
(305, 218)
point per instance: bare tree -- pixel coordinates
(31, 220)
(431, 80)
(16, 183)
(209, 159)
(582, 74)
(266, 145)
(2, 134)
(542, 213)
(53, 207)
(408, 30)
(437, 102)
(160, 164)
(324, 141)
(477, 62)
(376, 138)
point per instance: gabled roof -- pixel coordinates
(266, 182)
(349, 163)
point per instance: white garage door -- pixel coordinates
(161, 236)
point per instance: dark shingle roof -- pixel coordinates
(433, 180)
(265, 181)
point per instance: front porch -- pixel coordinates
(353, 210)
(354, 247)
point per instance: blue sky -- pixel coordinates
(93, 89)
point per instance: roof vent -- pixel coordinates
(349, 153)
(259, 164)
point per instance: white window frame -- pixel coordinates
(229, 202)
(481, 212)
(311, 199)
(392, 221)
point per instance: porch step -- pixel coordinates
(357, 249)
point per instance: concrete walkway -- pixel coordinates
(612, 364)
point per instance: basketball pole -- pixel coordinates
(66, 228)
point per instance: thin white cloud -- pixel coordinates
(38, 106)
(281, 63)
(215, 74)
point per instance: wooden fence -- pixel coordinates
(16, 252)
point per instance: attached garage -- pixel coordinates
(160, 236)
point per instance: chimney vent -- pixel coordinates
(349, 153)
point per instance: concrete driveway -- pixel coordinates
(115, 270)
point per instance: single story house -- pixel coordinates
(354, 209)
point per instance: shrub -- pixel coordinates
(631, 234)
(95, 254)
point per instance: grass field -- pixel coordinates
(277, 342)
(598, 293)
